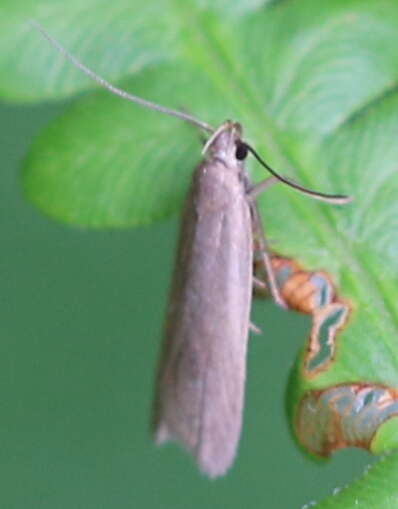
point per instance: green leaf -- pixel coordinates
(372, 490)
(107, 163)
(122, 38)
(315, 87)
(227, 7)
(116, 39)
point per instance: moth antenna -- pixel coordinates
(118, 91)
(337, 199)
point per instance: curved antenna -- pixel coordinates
(118, 91)
(337, 199)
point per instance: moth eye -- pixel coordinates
(241, 151)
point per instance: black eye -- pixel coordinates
(241, 151)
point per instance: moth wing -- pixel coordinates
(201, 379)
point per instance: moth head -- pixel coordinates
(226, 144)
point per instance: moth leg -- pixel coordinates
(259, 283)
(254, 328)
(261, 243)
(262, 186)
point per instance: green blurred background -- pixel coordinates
(80, 324)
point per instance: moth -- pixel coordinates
(200, 387)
